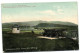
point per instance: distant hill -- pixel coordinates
(36, 23)
(50, 25)
(63, 23)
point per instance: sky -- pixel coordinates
(46, 11)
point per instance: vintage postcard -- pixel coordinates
(34, 27)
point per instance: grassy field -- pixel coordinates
(40, 29)
(29, 42)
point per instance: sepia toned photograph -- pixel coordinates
(35, 27)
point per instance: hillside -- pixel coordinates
(36, 23)
(50, 25)
(63, 23)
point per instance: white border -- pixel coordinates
(32, 1)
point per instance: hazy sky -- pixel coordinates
(53, 11)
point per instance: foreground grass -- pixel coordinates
(29, 42)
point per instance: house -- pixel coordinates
(15, 29)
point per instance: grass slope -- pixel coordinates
(29, 42)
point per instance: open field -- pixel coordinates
(29, 42)
(39, 30)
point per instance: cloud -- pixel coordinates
(60, 11)
(56, 6)
(50, 12)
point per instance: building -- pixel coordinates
(15, 29)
